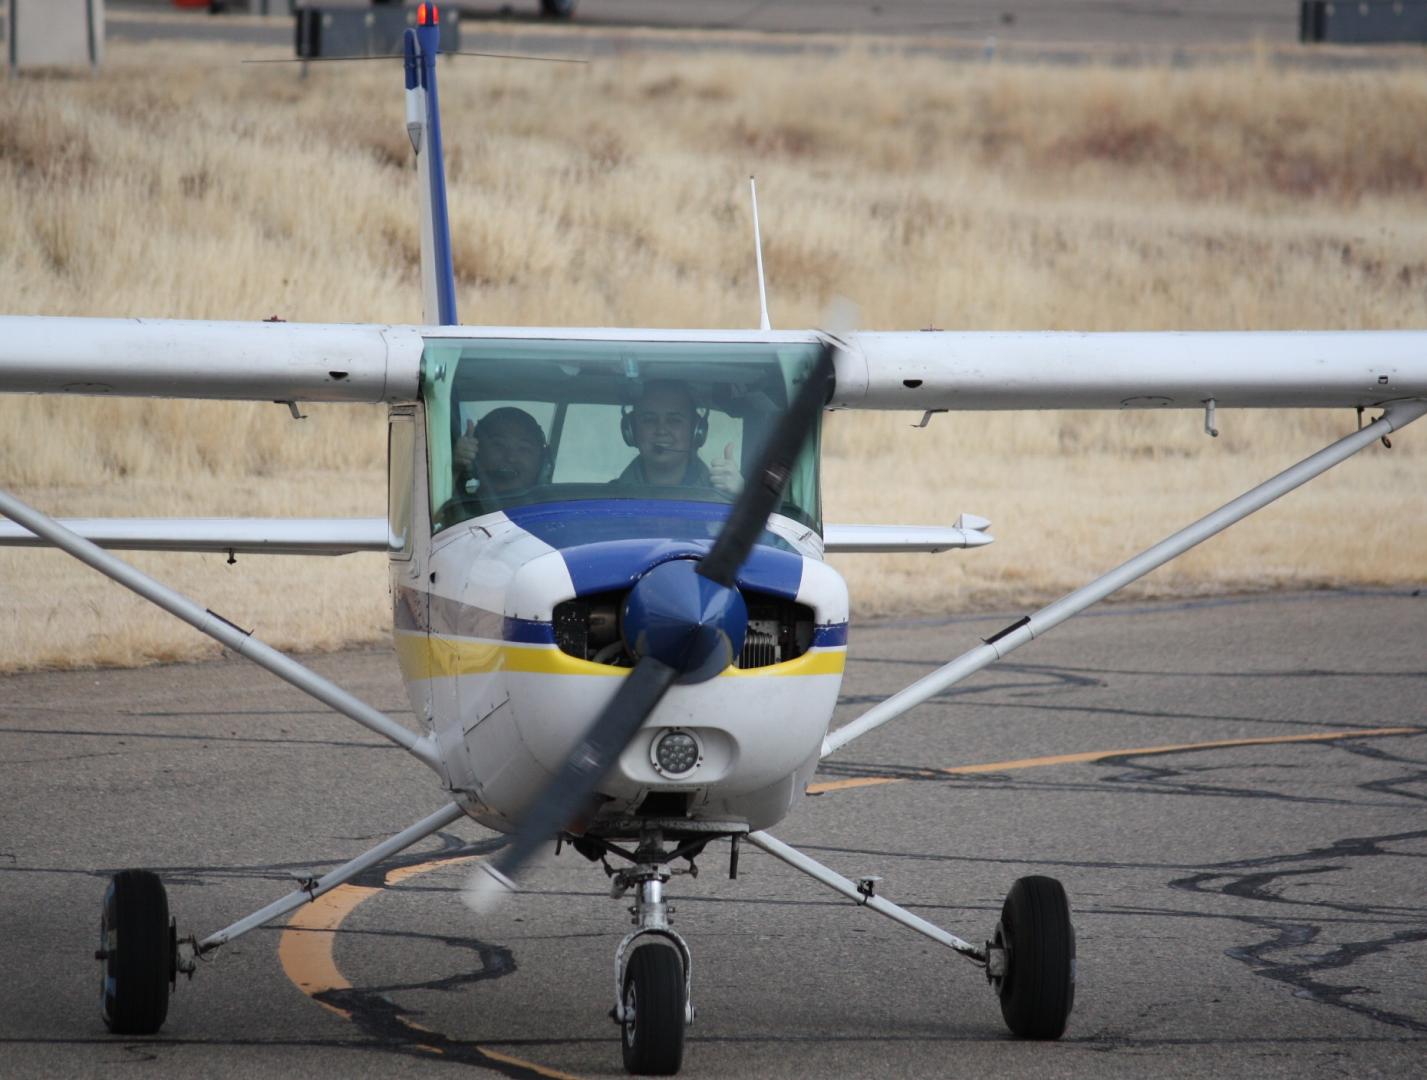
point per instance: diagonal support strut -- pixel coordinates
(863, 897)
(329, 881)
(1396, 416)
(220, 629)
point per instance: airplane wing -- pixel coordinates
(343, 536)
(1059, 370)
(238, 361)
(897, 370)
(252, 536)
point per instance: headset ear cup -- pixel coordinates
(701, 428)
(626, 425)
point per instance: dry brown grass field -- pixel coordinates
(980, 196)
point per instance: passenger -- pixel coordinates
(666, 428)
(502, 456)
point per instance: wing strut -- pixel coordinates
(310, 890)
(1397, 415)
(221, 630)
(863, 894)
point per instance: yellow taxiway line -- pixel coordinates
(1103, 755)
(305, 948)
(305, 951)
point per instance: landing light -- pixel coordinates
(676, 753)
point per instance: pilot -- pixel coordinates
(666, 428)
(501, 456)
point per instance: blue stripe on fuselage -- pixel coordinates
(608, 544)
(528, 631)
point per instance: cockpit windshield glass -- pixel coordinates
(515, 423)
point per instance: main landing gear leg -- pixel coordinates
(142, 954)
(1030, 961)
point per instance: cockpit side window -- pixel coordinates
(401, 457)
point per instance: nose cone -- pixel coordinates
(685, 621)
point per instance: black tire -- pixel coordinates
(557, 9)
(654, 991)
(136, 951)
(1038, 989)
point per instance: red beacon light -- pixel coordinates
(428, 15)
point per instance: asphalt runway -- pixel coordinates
(1242, 843)
(1057, 32)
(1040, 21)
(1195, 22)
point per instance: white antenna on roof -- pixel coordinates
(763, 323)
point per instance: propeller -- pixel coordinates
(685, 621)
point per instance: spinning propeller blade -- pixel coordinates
(566, 794)
(764, 489)
(685, 621)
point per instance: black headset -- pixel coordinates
(700, 433)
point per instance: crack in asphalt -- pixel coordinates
(1260, 883)
(386, 1023)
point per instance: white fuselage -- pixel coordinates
(474, 627)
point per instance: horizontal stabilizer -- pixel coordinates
(253, 536)
(967, 533)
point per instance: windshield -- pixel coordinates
(515, 423)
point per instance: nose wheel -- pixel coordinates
(654, 1011)
(653, 968)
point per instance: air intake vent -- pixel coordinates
(778, 630)
(760, 647)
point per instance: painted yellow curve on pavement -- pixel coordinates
(305, 948)
(305, 951)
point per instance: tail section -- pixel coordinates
(423, 124)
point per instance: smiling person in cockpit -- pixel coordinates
(667, 429)
(501, 456)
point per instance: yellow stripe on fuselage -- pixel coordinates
(430, 657)
(819, 662)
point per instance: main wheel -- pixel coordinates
(1038, 987)
(557, 9)
(654, 1009)
(136, 949)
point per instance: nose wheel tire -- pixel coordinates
(654, 1009)
(1037, 988)
(137, 952)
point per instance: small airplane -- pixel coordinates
(610, 640)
